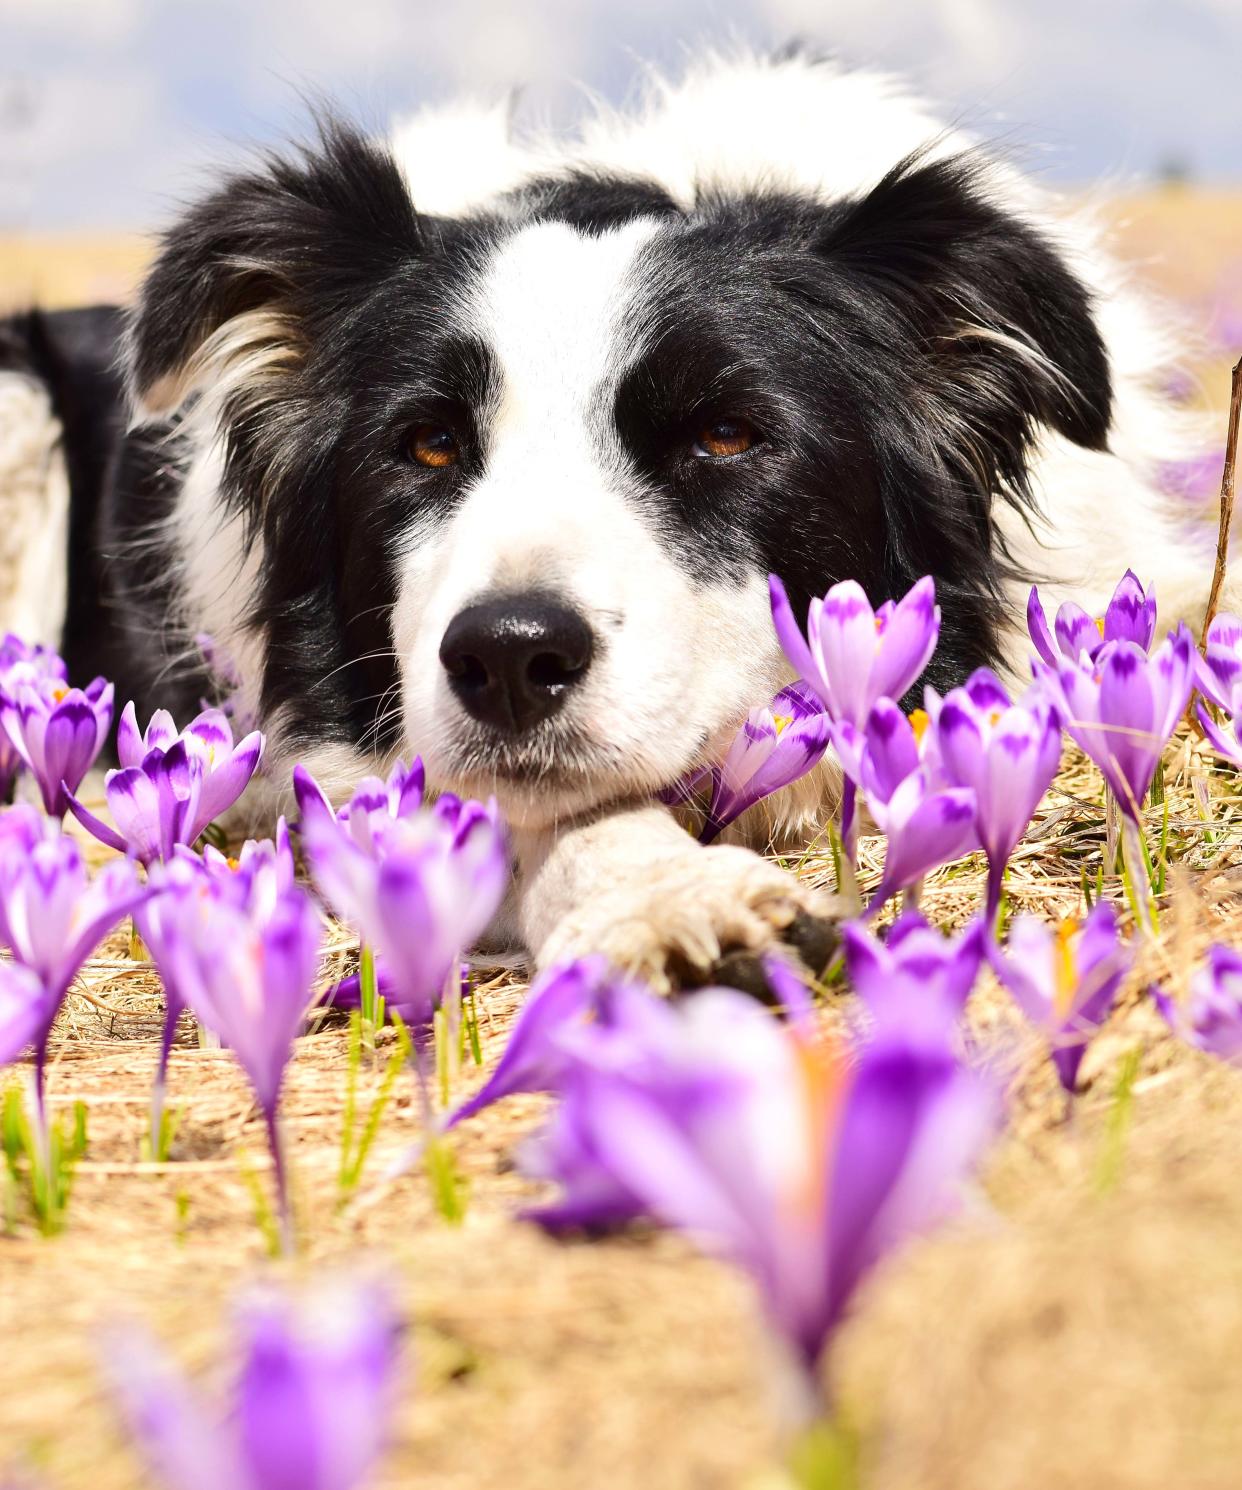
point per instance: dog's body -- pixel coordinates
(485, 450)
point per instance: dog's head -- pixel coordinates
(516, 480)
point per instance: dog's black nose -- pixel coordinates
(512, 660)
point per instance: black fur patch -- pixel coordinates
(592, 202)
(897, 353)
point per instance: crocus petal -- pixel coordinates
(1131, 613)
(314, 1395)
(1077, 634)
(907, 641)
(136, 808)
(94, 826)
(69, 749)
(891, 753)
(1037, 626)
(789, 634)
(182, 1445)
(914, 1124)
(25, 1010)
(224, 784)
(845, 639)
(926, 829)
(534, 1059)
(130, 746)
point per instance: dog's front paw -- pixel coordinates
(703, 917)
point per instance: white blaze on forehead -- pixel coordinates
(554, 309)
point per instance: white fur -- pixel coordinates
(556, 509)
(34, 513)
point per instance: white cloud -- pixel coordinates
(130, 93)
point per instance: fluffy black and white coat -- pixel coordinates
(586, 395)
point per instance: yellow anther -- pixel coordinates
(782, 722)
(1066, 967)
(59, 693)
(1099, 624)
(919, 720)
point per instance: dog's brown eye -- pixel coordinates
(432, 445)
(726, 437)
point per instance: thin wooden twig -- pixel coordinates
(1226, 501)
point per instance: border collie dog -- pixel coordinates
(484, 448)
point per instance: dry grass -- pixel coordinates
(1067, 1333)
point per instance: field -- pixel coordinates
(1081, 1327)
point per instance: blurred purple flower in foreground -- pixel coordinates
(1065, 980)
(1196, 478)
(419, 887)
(540, 1048)
(16, 659)
(915, 965)
(775, 747)
(170, 785)
(57, 731)
(246, 968)
(1005, 753)
(1129, 617)
(1211, 1019)
(770, 1150)
(52, 917)
(309, 1410)
(1123, 708)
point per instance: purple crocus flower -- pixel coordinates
(253, 883)
(1006, 753)
(377, 803)
(1129, 617)
(170, 785)
(16, 658)
(309, 1409)
(57, 731)
(247, 972)
(852, 654)
(1218, 676)
(1123, 708)
(418, 891)
(1065, 980)
(915, 965)
(768, 1148)
(926, 822)
(539, 1052)
(775, 747)
(52, 916)
(1211, 1019)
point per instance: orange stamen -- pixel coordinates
(1066, 967)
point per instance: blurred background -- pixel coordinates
(112, 112)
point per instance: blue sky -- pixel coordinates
(111, 110)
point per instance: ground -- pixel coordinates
(1080, 1327)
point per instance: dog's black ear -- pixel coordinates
(1001, 329)
(242, 278)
